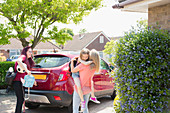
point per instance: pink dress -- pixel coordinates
(86, 75)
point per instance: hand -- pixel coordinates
(22, 80)
(75, 58)
(35, 83)
(29, 72)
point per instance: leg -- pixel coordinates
(80, 92)
(19, 91)
(93, 98)
(92, 88)
(86, 98)
(76, 102)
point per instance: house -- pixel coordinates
(93, 40)
(158, 11)
(115, 38)
(15, 47)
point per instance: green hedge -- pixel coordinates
(4, 66)
(143, 74)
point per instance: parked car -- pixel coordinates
(13, 58)
(55, 84)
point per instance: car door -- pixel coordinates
(106, 84)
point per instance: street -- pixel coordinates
(8, 102)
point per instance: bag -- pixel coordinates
(10, 75)
(29, 82)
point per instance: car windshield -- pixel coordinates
(14, 57)
(50, 61)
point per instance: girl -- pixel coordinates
(26, 57)
(86, 75)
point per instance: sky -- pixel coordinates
(113, 22)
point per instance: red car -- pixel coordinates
(55, 84)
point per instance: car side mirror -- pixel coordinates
(111, 68)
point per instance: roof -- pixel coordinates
(16, 44)
(125, 2)
(46, 45)
(81, 41)
(139, 5)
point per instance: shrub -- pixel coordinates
(4, 66)
(142, 77)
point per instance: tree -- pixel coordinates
(34, 17)
(109, 47)
(82, 31)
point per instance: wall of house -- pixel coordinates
(159, 15)
(97, 45)
(4, 55)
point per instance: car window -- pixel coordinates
(12, 57)
(50, 61)
(15, 57)
(103, 65)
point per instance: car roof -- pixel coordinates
(57, 54)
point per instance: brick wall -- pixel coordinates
(97, 45)
(3, 55)
(159, 15)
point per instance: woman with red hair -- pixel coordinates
(24, 58)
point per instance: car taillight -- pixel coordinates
(63, 75)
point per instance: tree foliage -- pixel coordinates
(34, 17)
(82, 31)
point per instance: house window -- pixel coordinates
(14, 52)
(101, 54)
(101, 39)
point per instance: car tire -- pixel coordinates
(113, 95)
(31, 105)
(70, 108)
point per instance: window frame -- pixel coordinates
(101, 39)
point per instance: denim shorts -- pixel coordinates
(74, 75)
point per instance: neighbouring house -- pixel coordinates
(15, 47)
(115, 38)
(93, 40)
(158, 11)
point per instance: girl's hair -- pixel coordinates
(29, 61)
(84, 51)
(94, 56)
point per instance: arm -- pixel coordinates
(19, 61)
(74, 69)
(85, 62)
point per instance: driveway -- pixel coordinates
(8, 102)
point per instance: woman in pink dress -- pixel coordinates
(86, 74)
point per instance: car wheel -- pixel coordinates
(113, 95)
(70, 108)
(31, 105)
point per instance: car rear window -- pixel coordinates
(50, 61)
